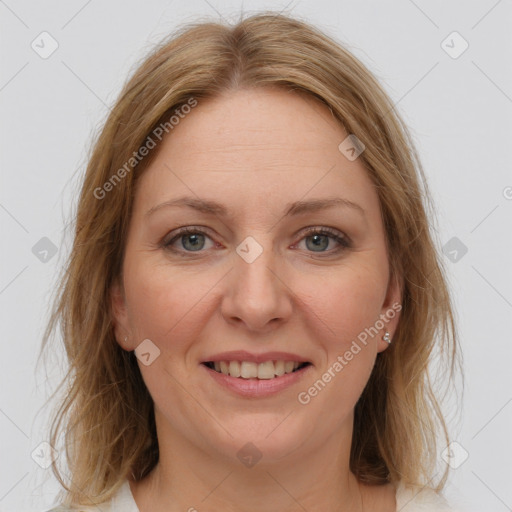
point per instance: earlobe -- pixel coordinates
(119, 316)
(390, 313)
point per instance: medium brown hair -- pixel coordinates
(106, 415)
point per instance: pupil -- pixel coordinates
(196, 241)
(318, 239)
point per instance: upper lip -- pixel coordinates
(242, 355)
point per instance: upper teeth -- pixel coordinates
(251, 370)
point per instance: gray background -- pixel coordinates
(459, 110)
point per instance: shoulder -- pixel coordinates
(63, 508)
(420, 499)
(121, 502)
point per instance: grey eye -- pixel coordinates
(196, 241)
(318, 241)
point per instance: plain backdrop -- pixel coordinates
(454, 92)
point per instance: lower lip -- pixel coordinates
(258, 388)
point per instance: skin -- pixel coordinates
(255, 151)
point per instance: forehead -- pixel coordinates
(257, 122)
(256, 147)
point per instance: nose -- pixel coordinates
(257, 294)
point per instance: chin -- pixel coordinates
(262, 438)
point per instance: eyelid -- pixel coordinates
(326, 230)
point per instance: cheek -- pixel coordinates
(346, 307)
(346, 302)
(168, 305)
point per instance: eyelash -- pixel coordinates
(342, 239)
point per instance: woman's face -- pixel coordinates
(267, 279)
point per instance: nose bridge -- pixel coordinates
(252, 267)
(256, 294)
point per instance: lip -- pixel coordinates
(256, 388)
(242, 355)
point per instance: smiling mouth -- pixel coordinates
(251, 370)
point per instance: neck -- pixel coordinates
(187, 478)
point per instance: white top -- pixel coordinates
(407, 500)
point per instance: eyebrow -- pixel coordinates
(295, 208)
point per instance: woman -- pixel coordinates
(253, 295)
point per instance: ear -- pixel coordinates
(390, 312)
(120, 316)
